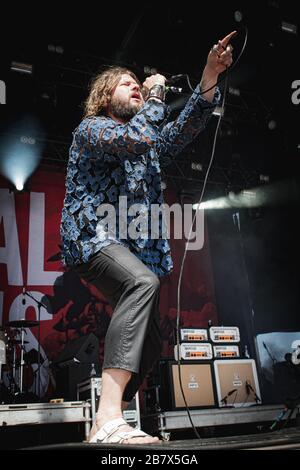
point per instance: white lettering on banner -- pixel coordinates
(296, 94)
(36, 275)
(10, 253)
(1, 308)
(18, 310)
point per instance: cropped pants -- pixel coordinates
(133, 339)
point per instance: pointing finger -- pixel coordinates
(228, 38)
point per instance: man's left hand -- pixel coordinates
(220, 55)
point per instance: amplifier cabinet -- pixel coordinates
(197, 383)
(236, 382)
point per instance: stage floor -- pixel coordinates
(288, 438)
(66, 427)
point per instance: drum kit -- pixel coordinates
(14, 361)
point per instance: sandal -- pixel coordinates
(108, 434)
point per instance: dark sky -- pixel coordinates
(170, 37)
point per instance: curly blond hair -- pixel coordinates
(102, 88)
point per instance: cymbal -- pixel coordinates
(22, 323)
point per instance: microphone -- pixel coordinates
(174, 89)
(171, 81)
(23, 294)
(174, 79)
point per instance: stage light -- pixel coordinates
(234, 91)
(235, 199)
(273, 3)
(261, 196)
(264, 178)
(272, 124)
(25, 139)
(21, 67)
(196, 166)
(20, 154)
(238, 16)
(219, 111)
(249, 193)
(55, 49)
(19, 186)
(289, 27)
(148, 70)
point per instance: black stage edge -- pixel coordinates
(283, 439)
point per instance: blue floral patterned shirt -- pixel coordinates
(108, 160)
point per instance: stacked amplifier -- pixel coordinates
(225, 342)
(212, 370)
(217, 342)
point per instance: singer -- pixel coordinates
(116, 151)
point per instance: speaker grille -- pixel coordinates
(197, 385)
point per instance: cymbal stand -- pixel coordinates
(1, 383)
(39, 304)
(2, 361)
(22, 362)
(13, 381)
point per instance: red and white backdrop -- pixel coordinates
(30, 257)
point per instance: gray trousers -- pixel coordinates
(133, 339)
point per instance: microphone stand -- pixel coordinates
(269, 353)
(256, 397)
(224, 400)
(39, 304)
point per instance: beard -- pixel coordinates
(124, 111)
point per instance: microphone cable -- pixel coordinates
(185, 253)
(225, 78)
(231, 67)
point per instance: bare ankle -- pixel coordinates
(102, 418)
